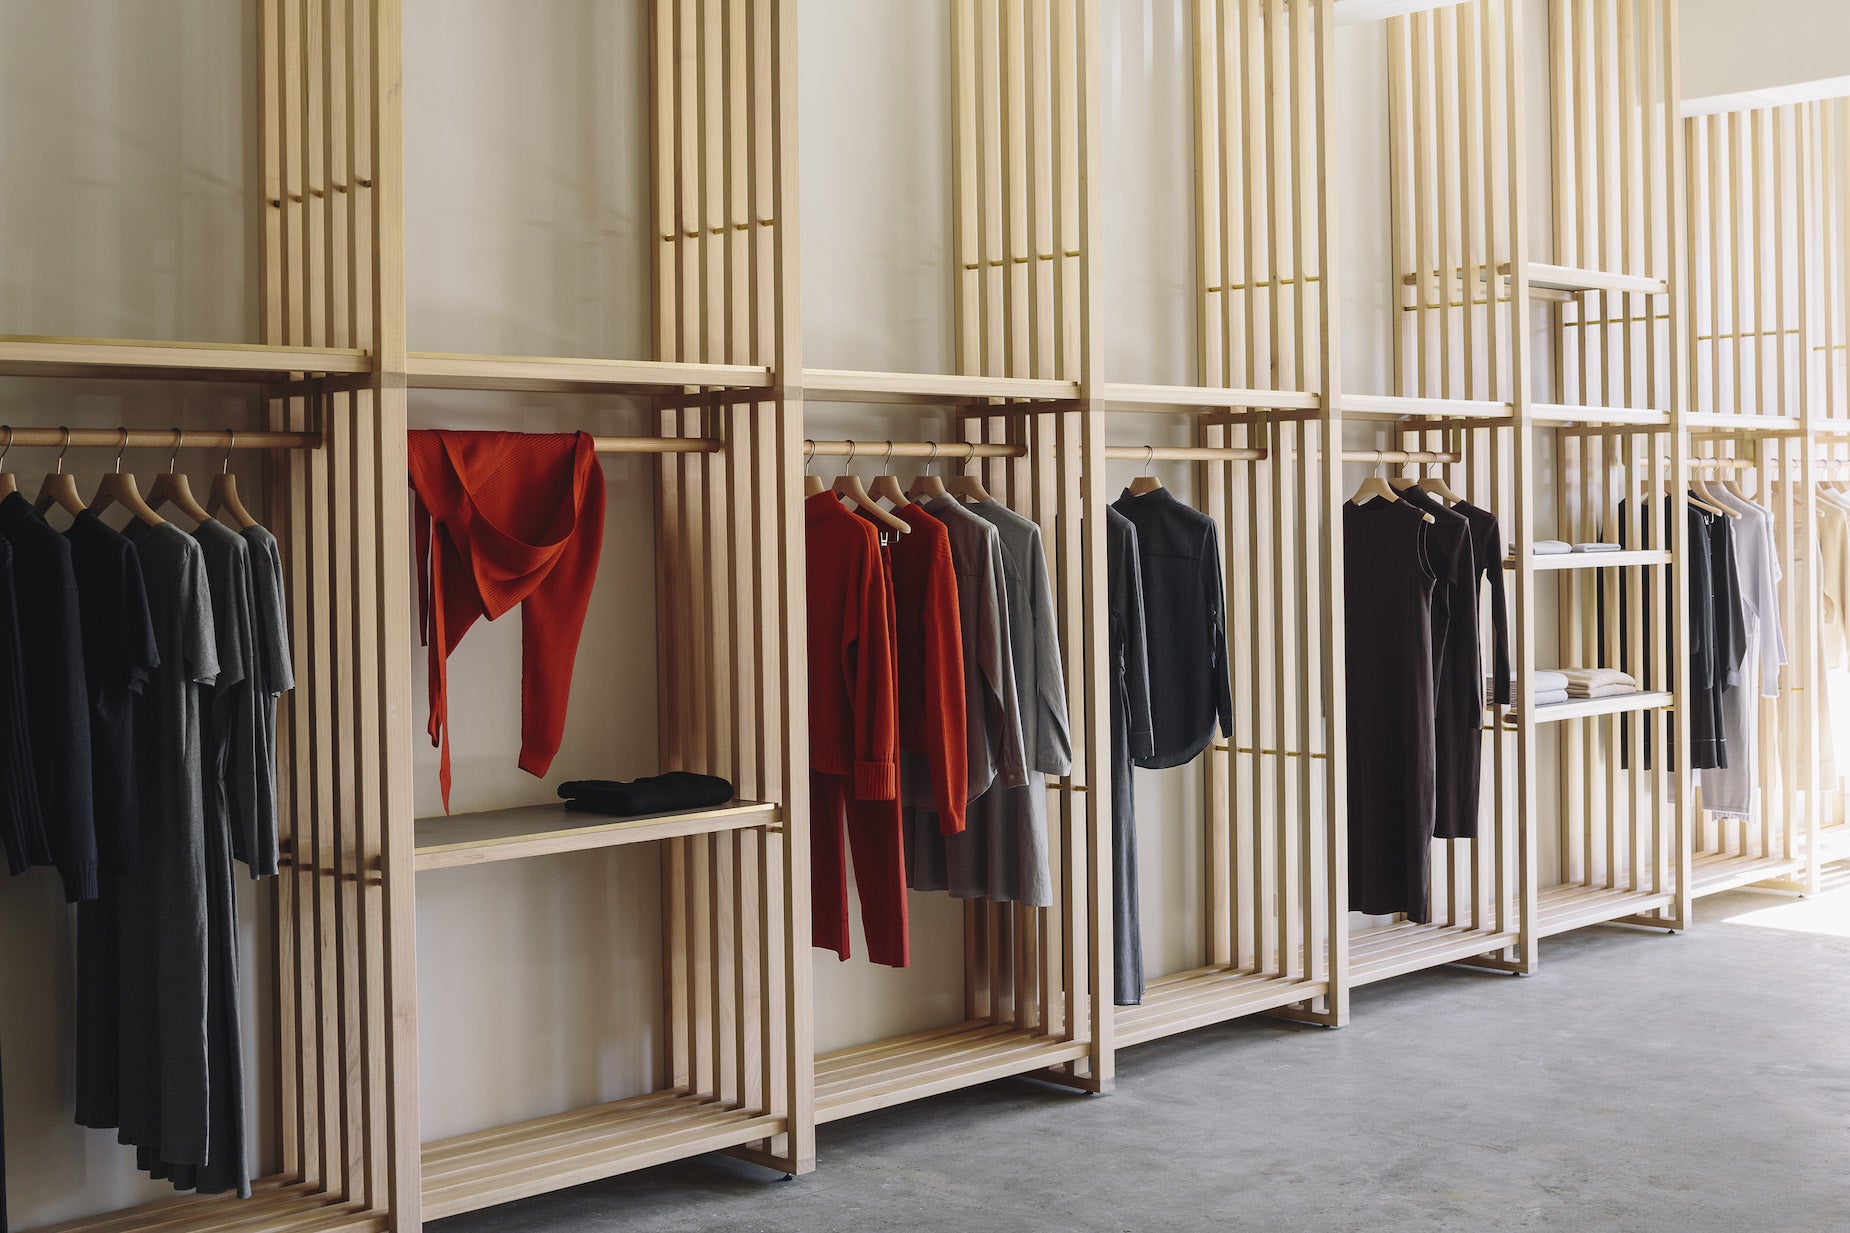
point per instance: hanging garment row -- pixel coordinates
(1751, 591)
(1171, 687)
(937, 700)
(1726, 608)
(139, 674)
(1417, 558)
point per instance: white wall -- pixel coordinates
(126, 209)
(1730, 46)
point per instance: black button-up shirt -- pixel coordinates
(1185, 613)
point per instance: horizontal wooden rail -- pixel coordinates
(141, 438)
(910, 449)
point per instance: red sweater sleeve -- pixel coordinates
(867, 660)
(946, 721)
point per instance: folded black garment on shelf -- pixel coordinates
(666, 793)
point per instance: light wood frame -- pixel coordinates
(1634, 302)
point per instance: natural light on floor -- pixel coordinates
(1826, 913)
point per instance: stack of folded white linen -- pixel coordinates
(1550, 686)
(1597, 547)
(1552, 547)
(1598, 682)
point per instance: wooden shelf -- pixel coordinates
(907, 1068)
(928, 389)
(1396, 407)
(431, 370)
(1385, 951)
(1727, 423)
(1618, 704)
(125, 359)
(1160, 398)
(1187, 1000)
(1714, 872)
(1569, 906)
(1594, 560)
(474, 1171)
(1567, 415)
(276, 1205)
(1545, 277)
(548, 830)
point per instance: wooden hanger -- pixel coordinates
(60, 486)
(812, 484)
(9, 483)
(1436, 486)
(171, 488)
(965, 485)
(119, 487)
(1374, 486)
(848, 487)
(1146, 482)
(1700, 487)
(886, 485)
(224, 494)
(926, 484)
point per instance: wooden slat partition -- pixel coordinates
(1608, 278)
(1460, 264)
(1025, 217)
(1616, 198)
(1273, 816)
(1757, 307)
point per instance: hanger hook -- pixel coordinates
(120, 446)
(8, 447)
(173, 459)
(65, 446)
(932, 461)
(1149, 456)
(887, 465)
(969, 455)
(1380, 464)
(852, 447)
(225, 467)
(809, 454)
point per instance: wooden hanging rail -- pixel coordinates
(658, 445)
(948, 450)
(141, 438)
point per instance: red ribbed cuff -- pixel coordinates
(876, 781)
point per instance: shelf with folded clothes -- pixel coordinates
(446, 842)
(1587, 708)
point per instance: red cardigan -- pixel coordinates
(930, 660)
(515, 519)
(853, 719)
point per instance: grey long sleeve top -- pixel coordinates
(1185, 611)
(1034, 641)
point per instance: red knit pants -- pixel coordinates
(876, 838)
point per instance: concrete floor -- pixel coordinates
(1639, 1083)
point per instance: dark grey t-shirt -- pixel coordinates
(275, 677)
(164, 918)
(231, 722)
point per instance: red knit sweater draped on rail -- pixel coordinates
(506, 519)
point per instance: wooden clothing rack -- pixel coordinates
(1668, 325)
